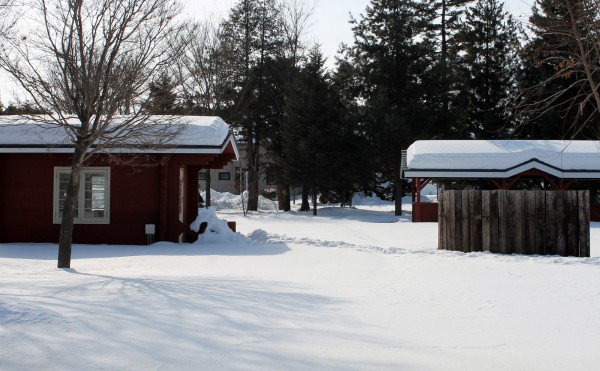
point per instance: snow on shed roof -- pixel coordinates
(200, 134)
(502, 158)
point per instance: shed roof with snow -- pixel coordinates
(198, 135)
(503, 158)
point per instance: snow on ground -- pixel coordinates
(350, 289)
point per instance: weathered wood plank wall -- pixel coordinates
(515, 222)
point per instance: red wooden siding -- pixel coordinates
(138, 195)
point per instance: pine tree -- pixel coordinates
(393, 55)
(489, 40)
(450, 12)
(162, 99)
(313, 120)
(254, 34)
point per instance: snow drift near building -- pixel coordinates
(217, 230)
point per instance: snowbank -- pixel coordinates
(217, 230)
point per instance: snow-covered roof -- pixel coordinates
(199, 135)
(502, 158)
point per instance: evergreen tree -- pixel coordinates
(313, 120)
(21, 109)
(162, 99)
(394, 53)
(450, 12)
(355, 156)
(253, 32)
(296, 18)
(489, 40)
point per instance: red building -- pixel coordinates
(121, 193)
(503, 164)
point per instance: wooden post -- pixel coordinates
(561, 223)
(457, 220)
(486, 222)
(572, 224)
(465, 221)
(540, 221)
(494, 222)
(530, 222)
(503, 225)
(550, 227)
(476, 240)
(451, 218)
(441, 222)
(164, 198)
(518, 224)
(583, 198)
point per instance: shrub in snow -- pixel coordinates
(217, 230)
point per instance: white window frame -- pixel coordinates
(80, 218)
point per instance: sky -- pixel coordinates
(330, 25)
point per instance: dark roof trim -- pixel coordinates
(425, 172)
(71, 146)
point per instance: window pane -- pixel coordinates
(94, 195)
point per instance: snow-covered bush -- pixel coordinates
(217, 230)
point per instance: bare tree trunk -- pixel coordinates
(252, 189)
(287, 202)
(253, 157)
(283, 196)
(304, 206)
(314, 199)
(65, 240)
(397, 192)
(280, 191)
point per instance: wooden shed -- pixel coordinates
(121, 193)
(502, 164)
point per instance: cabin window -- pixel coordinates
(224, 175)
(94, 195)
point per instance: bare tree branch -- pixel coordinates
(85, 60)
(572, 50)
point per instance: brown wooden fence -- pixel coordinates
(519, 222)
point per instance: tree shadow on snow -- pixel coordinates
(231, 322)
(50, 251)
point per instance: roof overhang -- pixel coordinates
(202, 135)
(533, 164)
(503, 159)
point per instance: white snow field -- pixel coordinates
(349, 289)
